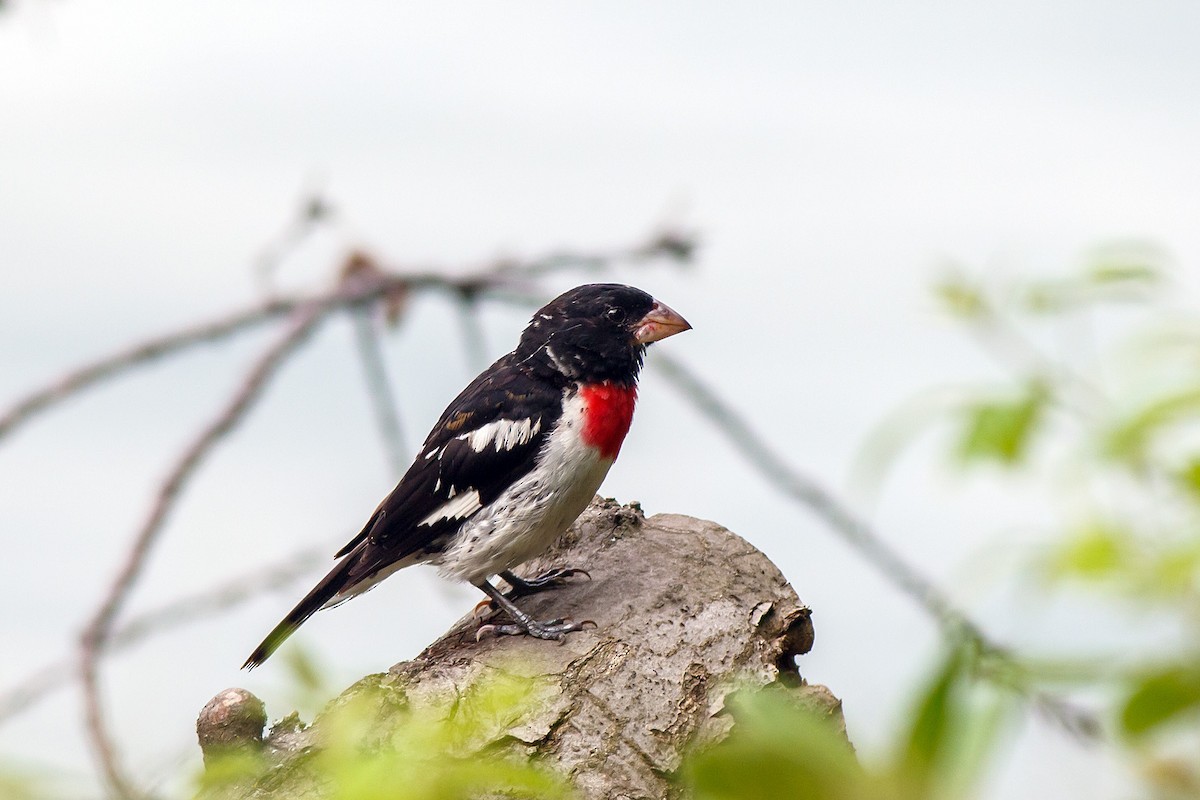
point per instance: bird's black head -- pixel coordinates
(598, 332)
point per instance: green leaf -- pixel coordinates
(380, 743)
(1123, 273)
(302, 668)
(1001, 431)
(1189, 477)
(936, 721)
(1097, 550)
(1078, 668)
(1131, 438)
(777, 749)
(957, 723)
(1048, 297)
(229, 769)
(1174, 569)
(1126, 263)
(1161, 696)
(960, 298)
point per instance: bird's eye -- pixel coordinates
(615, 314)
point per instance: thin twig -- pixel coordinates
(505, 281)
(1079, 722)
(379, 391)
(1001, 339)
(312, 213)
(84, 377)
(853, 530)
(96, 634)
(473, 339)
(169, 617)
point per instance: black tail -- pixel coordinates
(337, 580)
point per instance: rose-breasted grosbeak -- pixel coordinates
(512, 462)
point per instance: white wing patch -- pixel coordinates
(503, 434)
(531, 513)
(458, 507)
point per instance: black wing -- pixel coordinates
(486, 440)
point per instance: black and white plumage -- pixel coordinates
(512, 461)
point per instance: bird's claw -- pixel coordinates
(483, 610)
(554, 630)
(551, 579)
(557, 577)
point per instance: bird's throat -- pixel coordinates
(608, 411)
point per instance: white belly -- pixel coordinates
(531, 514)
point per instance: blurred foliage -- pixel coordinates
(1000, 429)
(1100, 400)
(384, 745)
(309, 686)
(15, 786)
(1160, 695)
(19, 783)
(1101, 404)
(779, 748)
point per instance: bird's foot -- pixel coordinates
(484, 609)
(556, 629)
(523, 587)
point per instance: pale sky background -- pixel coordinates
(832, 156)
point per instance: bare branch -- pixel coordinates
(1004, 341)
(96, 634)
(143, 352)
(504, 281)
(853, 530)
(676, 245)
(379, 390)
(1079, 722)
(314, 210)
(473, 338)
(501, 280)
(172, 616)
(847, 525)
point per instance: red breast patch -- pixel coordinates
(608, 410)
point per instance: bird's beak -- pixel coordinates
(660, 323)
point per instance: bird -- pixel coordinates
(511, 462)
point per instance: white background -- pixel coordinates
(833, 156)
